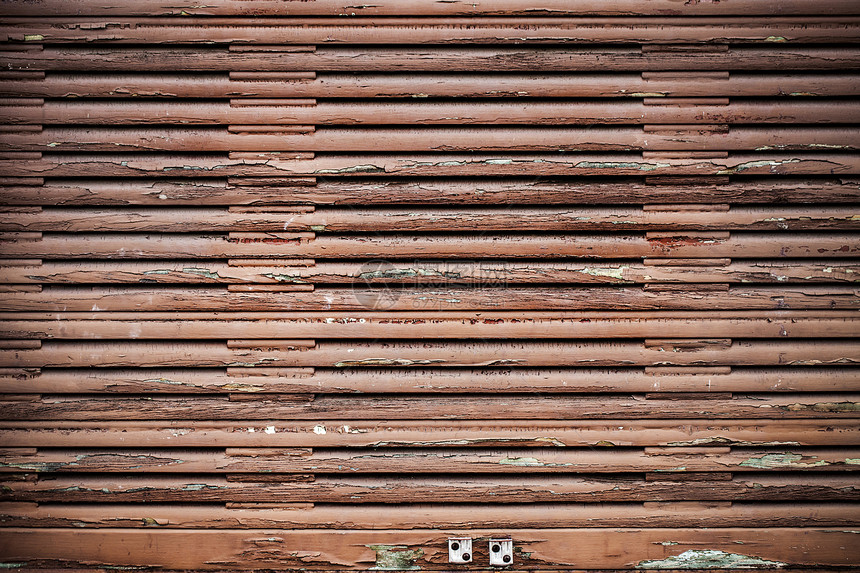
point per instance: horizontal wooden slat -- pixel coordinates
(306, 112)
(422, 30)
(440, 434)
(434, 272)
(660, 217)
(664, 297)
(437, 407)
(430, 139)
(262, 191)
(553, 488)
(447, 460)
(435, 325)
(434, 165)
(424, 59)
(335, 220)
(349, 354)
(334, 549)
(668, 244)
(547, 516)
(171, 85)
(424, 8)
(422, 381)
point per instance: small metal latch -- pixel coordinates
(501, 551)
(460, 550)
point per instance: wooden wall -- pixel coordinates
(303, 285)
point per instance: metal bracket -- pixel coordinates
(501, 552)
(460, 550)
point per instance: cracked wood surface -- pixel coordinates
(428, 8)
(314, 549)
(233, 191)
(498, 488)
(170, 84)
(352, 433)
(689, 379)
(284, 290)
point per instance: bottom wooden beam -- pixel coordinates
(718, 548)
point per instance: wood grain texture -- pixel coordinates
(307, 285)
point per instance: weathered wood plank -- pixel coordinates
(247, 31)
(173, 85)
(430, 433)
(307, 190)
(667, 244)
(351, 354)
(539, 324)
(165, 298)
(311, 112)
(428, 549)
(423, 381)
(409, 516)
(425, 59)
(196, 166)
(426, 8)
(445, 273)
(436, 407)
(335, 139)
(524, 488)
(415, 220)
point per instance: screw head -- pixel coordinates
(455, 546)
(466, 556)
(496, 548)
(506, 558)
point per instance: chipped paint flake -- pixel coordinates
(396, 558)
(781, 460)
(741, 167)
(709, 559)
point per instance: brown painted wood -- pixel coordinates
(172, 85)
(436, 407)
(441, 273)
(423, 381)
(440, 434)
(250, 549)
(262, 191)
(551, 488)
(407, 516)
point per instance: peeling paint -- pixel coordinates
(202, 272)
(781, 460)
(386, 362)
(353, 169)
(395, 558)
(237, 387)
(529, 463)
(406, 273)
(741, 167)
(723, 441)
(824, 407)
(282, 278)
(778, 39)
(709, 559)
(620, 165)
(609, 272)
